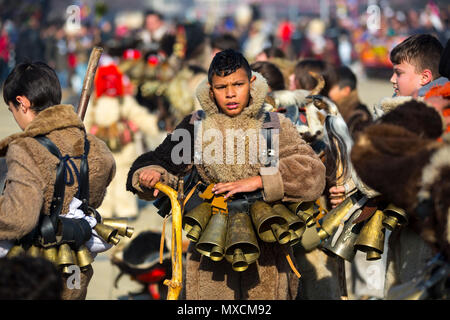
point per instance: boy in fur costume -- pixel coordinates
(33, 95)
(415, 70)
(115, 117)
(417, 67)
(233, 98)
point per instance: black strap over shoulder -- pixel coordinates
(65, 176)
(267, 132)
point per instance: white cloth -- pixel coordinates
(95, 244)
(5, 245)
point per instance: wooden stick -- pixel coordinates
(88, 81)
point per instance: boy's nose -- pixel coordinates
(230, 92)
(393, 78)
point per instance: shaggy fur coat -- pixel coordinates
(32, 171)
(300, 177)
(400, 157)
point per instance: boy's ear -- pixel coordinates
(426, 77)
(347, 90)
(252, 79)
(211, 93)
(23, 102)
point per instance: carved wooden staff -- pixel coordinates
(88, 81)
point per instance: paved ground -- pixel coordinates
(102, 283)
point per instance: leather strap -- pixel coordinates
(76, 231)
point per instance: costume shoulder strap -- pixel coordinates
(271, 122)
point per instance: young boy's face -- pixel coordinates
(405, 80)
(232, 92)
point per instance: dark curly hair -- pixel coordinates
(226, 62)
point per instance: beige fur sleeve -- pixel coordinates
(21, 202)
(166, 178)
(300, 175)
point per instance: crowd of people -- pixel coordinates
(334, 152)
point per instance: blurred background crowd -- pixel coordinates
(156, 52)
(342, 32)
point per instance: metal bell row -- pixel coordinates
(233, 236)
(367, 236)
(61, 256)
(64, 256)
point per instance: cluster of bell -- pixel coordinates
(63, 255)
(234, 236)
(111, 228)
(395, 217)
(367, 236)
(306, 211)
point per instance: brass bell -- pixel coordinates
(66, 256)
(344, 246)
(371, 237)
(300, 232)
(212, 241)
(295, 225)
(394, 216)
(310, 239)
(305, 211)
(195, 221)
(240, 236)
(107, 233)
(34, 251)
(123, 229)
(373, 255)
(269, 225)
(84, 257)
(295, 238)
(332, 219)
(15, 251)
(239, 262)
(51, 254)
